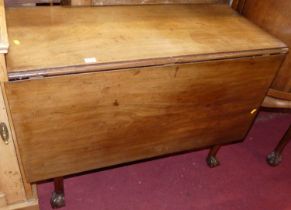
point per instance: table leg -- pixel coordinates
(275, 157)
(211, 159)
(58, 196)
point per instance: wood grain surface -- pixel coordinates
(238, 5)
(3, 70)
(279, 94)
(271, 102)
(46, 38)
(24, 205)
(30, 190)
(75, 123)
(3, 29)
(275, 17)
(11, 184)
(136, 2)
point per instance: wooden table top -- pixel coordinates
(44, 39)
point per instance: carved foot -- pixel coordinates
(57, 200)
(212, 161)
(274, 159)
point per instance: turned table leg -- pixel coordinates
(58, 196)
(275, 157)
(211, 159)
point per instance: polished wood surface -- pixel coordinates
(271, 102)
(10, 177)
(74, 123)
(138, 2)
(275, 17)
(58, 71)
(30, 190)
(3, 201)
(15, 192)
(108, 2)
(130, 2)
(279, 94)
(130, 36)
(23, 205)
(238, 5)
(3, 70)
(3, 30)
(147, 81)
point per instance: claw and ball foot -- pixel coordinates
(58, 196)
(211, 159)
(275, 158)
(57, 200)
